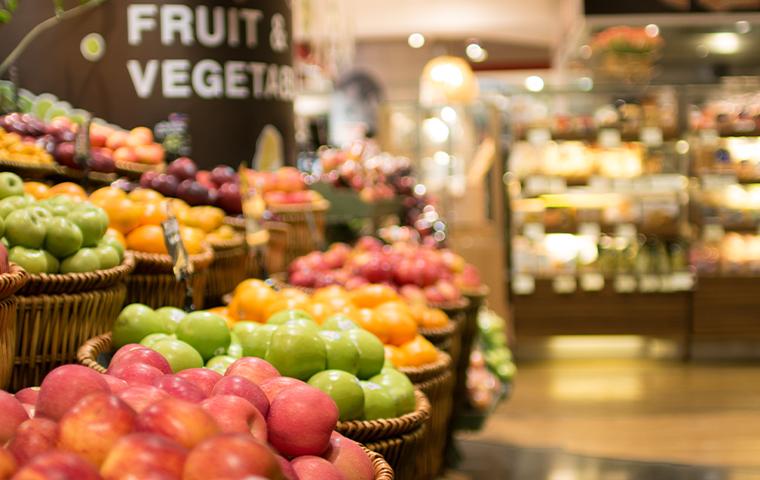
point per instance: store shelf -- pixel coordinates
(726, 307)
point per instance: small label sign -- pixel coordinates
(534, 231)
(564, 284)
(651, 136)
(609, 138)
(592, 282)
(589, 229)
(183, 268)
(649, 283)
(709, 135)
(625, 283)
(82, 145)
(681, 281)
(538, 136)
(523, 284)
(626, 230)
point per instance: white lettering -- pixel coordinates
(271, 90)
(202, 29)
(176, 19)
(287, 79)
(175, 78)
(257, 71)
(251, 18)
(235, 80)
(140, 18)
(233, 29)
(207, 79)
(143, 80)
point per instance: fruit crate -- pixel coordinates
(346, 206)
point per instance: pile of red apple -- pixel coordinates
(197, 424)
(418, 272)
(284, 186)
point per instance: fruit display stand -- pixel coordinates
(227, 269)
(276, 245)
(399, 440)
(307, 226)
(134, 170)
(10, 283)
(58, 312)
(153, 282)
(346, 205)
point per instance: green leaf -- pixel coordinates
(11, 5)
(5, 15)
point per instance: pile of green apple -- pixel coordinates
(338, 357)
(55, 235)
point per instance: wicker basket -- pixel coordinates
(9, 284)
(51, 326)
(154, 284)
(307, 226)
(469, 328)
(134, 170)
(436, 382)
(383, 471)
(275, 251)
(400, 440)
(227, 269)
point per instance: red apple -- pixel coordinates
(12, 414)
(4, 264)
(116, 385)
(64, 387)
(186, 423)
(183, 168)
(141, 455)
(349, 458)
(287, 469)
(242, 387)
(309, 467)
(136, 373)
(178, 387)
(33, 437)
(300, 421)
(231, 456)
(141, 355)
(368, 244)
(413, 294)
(229, 198)
(99, 135)
(203, 378)
(29, 408)
(7, 464)
(289, 179)
(274, 386)
(223, 174)
(140, 397)
(253, 369)
(152, 154)
(94, 425)
(126, 348)
(235, 414)
(117, 140)
(56, 465)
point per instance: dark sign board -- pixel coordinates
(617, 7)
(225, 64)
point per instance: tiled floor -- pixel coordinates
(622, 420)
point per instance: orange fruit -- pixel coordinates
(248, 284)
(398, 322)
(294, 293)
(193, 238)
(419, 351)
(117, 235)
(252, 302)
(154, 213)
(67, 188)
(178, 206)
(330, 292)
(320, 311)
(434, 318)
(367, 320)
(123, 214)
(206, 218)
(145, 195)
(103, 196)
(285, 303)
(396, 356)
(370, 296)
(147, 238)
(36, 189)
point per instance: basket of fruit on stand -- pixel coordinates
(12, 278)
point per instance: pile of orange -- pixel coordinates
(376, 308)
(138, 216)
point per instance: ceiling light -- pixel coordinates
(652, 30)
(743, 26)
(534, 83)
(724, 43)
(448, 114)
(475, 52)
(586, 83)
(416, 40)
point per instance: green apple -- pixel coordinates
(63, 238)
(2, 226)
(53, 265)
(206, 332)
(25, 228)
(339, 322)
(254, 338)
(220, 363)
(59, 206)
(172, 316)
(296, 352)
(135, 322)
(285, 316)
(10, 184)
(371, 352)
(92, 221)
(11, 204)
(342, 353)
(400, 388)
(154, 338)
(112, 242)
(179, 354)
(85, 260)
(378, 401)
(40, 212)
(108, 256)
(31, 260)
(344, 389)
(235, 349)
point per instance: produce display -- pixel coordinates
(15, 148)
(418, 272)
(491, 368)
(730, 254)
(61, 233)
(284, 186)
(196, 424)
(337, 356)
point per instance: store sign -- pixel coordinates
(607, 7)
(226, 64)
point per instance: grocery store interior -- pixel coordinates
(364, 240)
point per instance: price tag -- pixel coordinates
(651, 136)
(609, 138)
(82, 145)
(564, 284)
(713, 232)
(183, 268)
(626, 230)
(625, 283)
(589, 229)
(538, 136)
(523, 284)
(709, 135)
(649, 283)
(534, 231)
(592, 282)
(681, 281)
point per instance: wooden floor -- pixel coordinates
(651, 411)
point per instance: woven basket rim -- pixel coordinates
(67, 282)
(482, 290)
(12, 281)
(448, 330)
(164, 260)
(459, 304)
(137, 167)
(318, 206)
(429, 370)
(383, 470)
(236, 241)
(31, 167)
(395, 426)
(88, 352)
